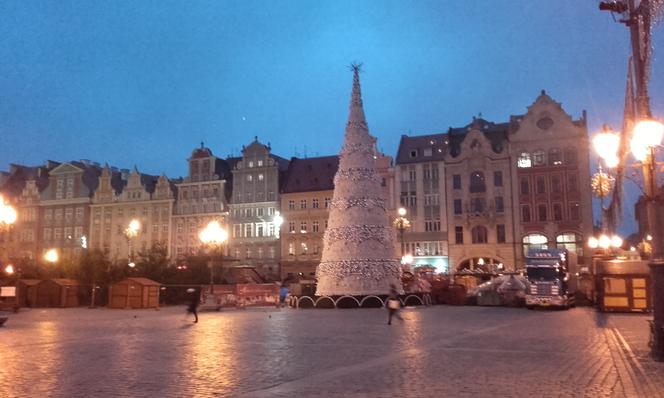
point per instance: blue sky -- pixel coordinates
(142, 83)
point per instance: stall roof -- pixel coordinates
(142, 281)
(66, 282)
(29, 282)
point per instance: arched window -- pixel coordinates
(524, 160)
(477, 182)
(539, 158)
(570, 241)
(570, 155)
(555, 157)
(534, 241)
(479, 234)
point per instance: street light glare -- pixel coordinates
(649, 133)
(51, 256)
(7, 213)
(606, 145)
(402, 211)
(9, 269)
(593, 243)
(213, 234)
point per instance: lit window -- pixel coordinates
(524, 160)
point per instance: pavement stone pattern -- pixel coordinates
(437, 351)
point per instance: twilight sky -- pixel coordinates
(143, 82)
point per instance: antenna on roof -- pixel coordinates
(202, 146)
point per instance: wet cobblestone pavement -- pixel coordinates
(436, 351)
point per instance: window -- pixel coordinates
(457, 206)
(539, 158)
(314, 226)
(477, 182)
(524, 160)
(541, 185)
(47, 233)
(79, 214)
(525, 186)
(291, 249)
(248, 230)
(57, 234)
(303, 204)
(500, 206)
(555, 184)
(247, 252)
(272, 252)
(327, 203)
(557, 212)
(303, 227)
(541, 212)
(500, 233)
(572, 183)
(534, 241)
(260, 163)
(574, 211)
(250, 177)
(260, 252)
(458, 235)
(555, 158)
(498, 178)
(456, 181)
(427, 152)
(260, 177)
(525, 213)
(570, 155)
(314, 203)
(260, 228)
(479, 234)
(430, 226)
(237, 230)
(477, 205)
(303, 248)
(570, 241)
(251, 163)
(413, 153)
(291, 226)
(291, 205)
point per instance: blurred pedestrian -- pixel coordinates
(193, 304)
(283, 293)
(393, 305)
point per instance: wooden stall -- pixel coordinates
(26, 292)
(622, 285)
(57, 293)
(134, 293)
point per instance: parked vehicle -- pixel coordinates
(548, 276)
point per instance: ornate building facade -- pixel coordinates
(551, 179)
(254, 237)
(122, 197)
(201, 197)
(419, 187)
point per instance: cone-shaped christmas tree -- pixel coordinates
(358, 253)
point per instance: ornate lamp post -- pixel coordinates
(213, 236)
(130, 233)
(401, 223)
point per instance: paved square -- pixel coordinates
(436, 351)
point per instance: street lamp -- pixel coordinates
(9, 269)
(606, 144)
(51, 256)
(130, 233)
(213, 236)
(7, 214)
(401, 223)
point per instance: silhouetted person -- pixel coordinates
(283, 293)
(193, 305)
(393, 305)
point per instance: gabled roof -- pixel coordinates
(411, 149)
(144, 281)
(310, 174)
(65, 281)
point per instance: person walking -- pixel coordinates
(283, 293)
(193, 304)
(393, 305)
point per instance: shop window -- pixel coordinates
(534, 242)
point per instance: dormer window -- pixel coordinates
(260, 163)
(413, 153)
(251, 164)
(428, 152)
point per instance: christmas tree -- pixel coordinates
(358, 253)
